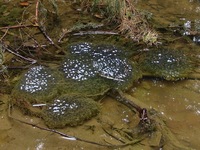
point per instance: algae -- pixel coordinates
(167, 64)
(88, 71)
(38, 85)
(9, 16)
(105, 62)
(69, 110)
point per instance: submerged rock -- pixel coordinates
(68, 110)
(168, 64)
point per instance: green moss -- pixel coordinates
(93, 69)
(69, 110)
(93, 87)
(88, 71)
(9, 16)
(168, 64)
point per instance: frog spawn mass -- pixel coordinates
(88, 71)
(168, 64)
(100, 60)
(67, 110)
(36, 79)
(37, 84)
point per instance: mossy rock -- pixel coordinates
(167, 64)
(69, 110)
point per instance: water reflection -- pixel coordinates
(40, 144)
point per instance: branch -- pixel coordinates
(33, 61)
(36, 12)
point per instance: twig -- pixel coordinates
(4, 34)
(48, 38)
(96, 33)
(160, 125)
(36, 12)
(120, 97)
(33, 61)
(63, 34)
(73, 138)
(109, 77)
(113, 136)
(18, 26)
(144, 119)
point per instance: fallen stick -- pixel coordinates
(18, 26)
(33, 61)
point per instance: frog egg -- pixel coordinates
(114, 68)
(69, 110)
(81, 48)
(37, 85)
(169, 64)
(36, 79)
(78, 68)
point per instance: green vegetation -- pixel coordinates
(38, 85)
(9, 16)
(167, 64)
(104, 65)
(87, 71)
(69, 110)
(2, 59)
(131, 22)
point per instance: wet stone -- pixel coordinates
(69, 110)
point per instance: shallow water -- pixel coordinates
(178, 101)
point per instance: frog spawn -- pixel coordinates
(67, 110)
(88, 71)
(168, 64)
(37, 84)
(87, 60)
(36, 79)
(78, 69)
